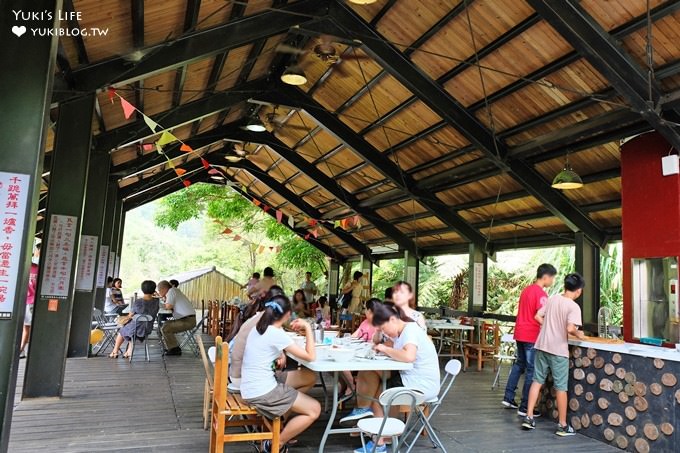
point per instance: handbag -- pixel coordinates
(122, 320)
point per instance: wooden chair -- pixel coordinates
(487, 349)
(208, 387)
(229, 410)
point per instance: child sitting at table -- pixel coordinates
(259, 385)
(409, 343)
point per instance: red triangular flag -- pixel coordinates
(306, 236)
(343, 224)
(226, 231)
(256, 202)
(148, 147)
(186, 148)
(186, 183)
(266, 208)
(312, 223)
(279, 216)
(237, 238)
(112, 93)
(205, 163)
(128, 109)
(212, 171)
(271, 247)
(180, 171)
(315, 232)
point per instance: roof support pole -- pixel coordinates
(22, 123)
(46, 363)
(588, 265)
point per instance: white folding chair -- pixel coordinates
(378, 427)
(422, 420)
(506, 352)
(136, 319)
(189, 338)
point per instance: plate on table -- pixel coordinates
(380, 357)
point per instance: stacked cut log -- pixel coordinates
(627, 401)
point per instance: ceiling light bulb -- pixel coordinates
(362, 2)
(294, 75)
(255, 125)
(567, 179)
(233, 158)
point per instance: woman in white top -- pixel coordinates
(259, 386)
(403, 298)
(353, 291)
(409, 344)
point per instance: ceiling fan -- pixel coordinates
(325, 50)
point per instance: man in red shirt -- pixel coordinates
(531, 300)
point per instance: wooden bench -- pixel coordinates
(229, 411)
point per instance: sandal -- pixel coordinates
(113, 355)
(347, 396)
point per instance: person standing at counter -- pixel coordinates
(533, 297)
(559, 318)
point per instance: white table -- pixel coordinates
(356, 364)
(442, 327)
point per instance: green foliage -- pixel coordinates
(385, 275)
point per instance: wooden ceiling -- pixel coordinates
(443, 122)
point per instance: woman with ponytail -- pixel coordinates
(408, 343)
(259, 384)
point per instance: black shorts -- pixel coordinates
(394, 380)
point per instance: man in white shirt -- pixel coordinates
(309, 288)
(183, 313)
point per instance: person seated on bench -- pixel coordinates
(260, 387)
(300, 379)
(183, 314)
(147, 305)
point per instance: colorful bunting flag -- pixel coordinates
(266, 208)
(356, 220)
(336, 224)
(315, 232)
(147, 147)
(244, 188)
(186, 183)
(227, 231)
(312, 223)
(159, 149)
(112, 93)
(261, 249)
(237, 238)
(205, 163)
(154, 126)
(186, 148)
(291, 222)
(343, 224)
(180, 171)
(279, 216)
(128, 109)
(306, 236)
(166, 137)
(213, 171)
(257, 202)
(271, 248)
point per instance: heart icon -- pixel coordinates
(19, 30)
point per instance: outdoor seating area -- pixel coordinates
(376, 226)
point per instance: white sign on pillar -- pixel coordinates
(13, 193)
(57, 257)
(478, 290)
(112, 263)
(116, 267)
(101, 265)
(87, 261)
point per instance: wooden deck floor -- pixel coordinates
(110, 405)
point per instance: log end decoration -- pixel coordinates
(616, 358)
(631, 430)
(609, 369)
(597, 419)
(629, 390)
(576, 422)
(620, 373)
(578, 390)
(598, 362)
(630, 378)
(585, 421)
(621, 442)
(666, 428)
(549, 404)
(585, 362)
(617, 386)
(591, 378)
(640, 389)
(640, 404)
(630, 412)
(609, 434)
(658, 364)
(603, 403)
(651, 431)
(578, 363)
(623, 397)
(615, 419)
(591, 353)
(669, 379)
(641, 446)
(573, 404)
(677, 396)
(606, 385)
(656, 389)
(579, 374)
(554, 414)
(589, 396)
(576, 352)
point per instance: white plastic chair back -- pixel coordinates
(507, 338)
(212, 354)
(453, 367)
(400, 396)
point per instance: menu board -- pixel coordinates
(112, 263)
(101, 265)
(87, 259)
(57, 258)
(13, 198)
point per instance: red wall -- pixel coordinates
(650, 209)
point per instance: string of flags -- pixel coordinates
(167, 137)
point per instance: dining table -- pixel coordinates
(445, 325)
(325, 363)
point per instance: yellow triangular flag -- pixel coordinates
(159, 149)
(151, 123)
(166, 137)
